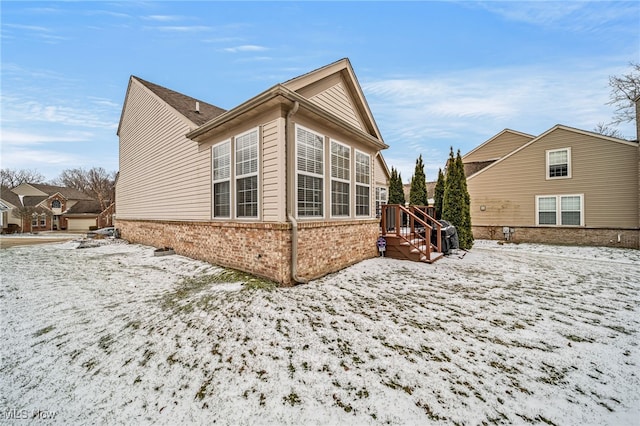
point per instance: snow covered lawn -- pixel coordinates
(506, 334)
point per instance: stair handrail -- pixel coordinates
(430, 212)
(413, 218)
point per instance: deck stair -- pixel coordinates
(408, 232)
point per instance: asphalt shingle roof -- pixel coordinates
(185, 105)
(68, 193)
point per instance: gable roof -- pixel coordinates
(554, 128)
(493, 138)
(473, 167)
(68, 193)
(84, 206)
(9, 197)
(185, 105)
(284, 93)
(342, 66)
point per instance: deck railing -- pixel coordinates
(414, 225)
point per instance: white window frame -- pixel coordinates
(358, 183)
(340, 179)
(310, 174)
(548, 163)
(43, 220)
(255, 173)
(221, 180)
(380, 200)
(559, 210)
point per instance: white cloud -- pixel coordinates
(163, 18)
(463, 109)
(181, 28)
(577, 16)
(246, 48)
(12, 137)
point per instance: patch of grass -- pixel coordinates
(202, 392)
(44, 331)
(146, 357)
(105, 342)
(578, 339)
(429, 412)
(346, 407)
(190, 286)
(292, 399)
(90, 365)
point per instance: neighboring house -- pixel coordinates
(8, 202)
(565, 186)
(431, 190)
(51, 208)
(284, 186)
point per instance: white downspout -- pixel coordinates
(294, 222)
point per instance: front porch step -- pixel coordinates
(398, 248)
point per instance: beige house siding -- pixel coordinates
(337, 101)
(330, 93)
(273, 171)
(603, 170)
(163, 175)
(498, 146)
(380, 173)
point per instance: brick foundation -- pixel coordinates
(325, 247)
(262, 249)
(598, 237)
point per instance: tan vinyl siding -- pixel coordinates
(498, 147)
(273, 171)
(336, 100)
(380, 175)
(163, 175)
(603, 170)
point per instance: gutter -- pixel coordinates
(294, 222)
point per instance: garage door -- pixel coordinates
(80, 224)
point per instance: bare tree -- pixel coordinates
(10, 178)
(95, 182)
(606, 130)
(624, 90)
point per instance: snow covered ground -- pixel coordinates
(511, 334)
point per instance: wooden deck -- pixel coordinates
(411, 233)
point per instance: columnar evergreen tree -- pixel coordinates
(456, 200)
(466, 236)
(418, 190)
(396, 193)
(438, 194)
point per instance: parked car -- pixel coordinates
(109, 231)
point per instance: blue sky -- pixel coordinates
(435, 74)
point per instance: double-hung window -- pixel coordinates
(247, 175)
(221, 154)
(381, 199)
(363, 187)
(309, 172)
(340, 178)
(563, 210)
(43, 219)
(559, 163)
